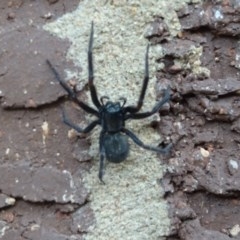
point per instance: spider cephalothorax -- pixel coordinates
(111, 116)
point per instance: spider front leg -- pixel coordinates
(141, 144)
(92, 88)
(134, 109)
(76, 127)
(71, 93)
(155, 109)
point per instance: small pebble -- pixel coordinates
(235, 230)
(204, 152)
(233, 166)
(10, 201)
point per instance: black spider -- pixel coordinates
(113, 142)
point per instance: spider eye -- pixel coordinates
(113, 107)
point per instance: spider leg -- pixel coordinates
(76, 127)
(102, 156)
(92, 88)
(155, 109)
(134, 109)
(141, 144)
(71, 93)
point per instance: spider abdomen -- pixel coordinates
(116, 147)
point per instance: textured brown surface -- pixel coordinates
(203, 177)
(202, 183)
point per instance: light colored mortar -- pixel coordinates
(130, 205)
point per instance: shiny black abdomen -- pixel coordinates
(116, 147)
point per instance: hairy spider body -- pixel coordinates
(116, 147)
(111, 116)
(116, 144)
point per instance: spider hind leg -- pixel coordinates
(135, 139)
